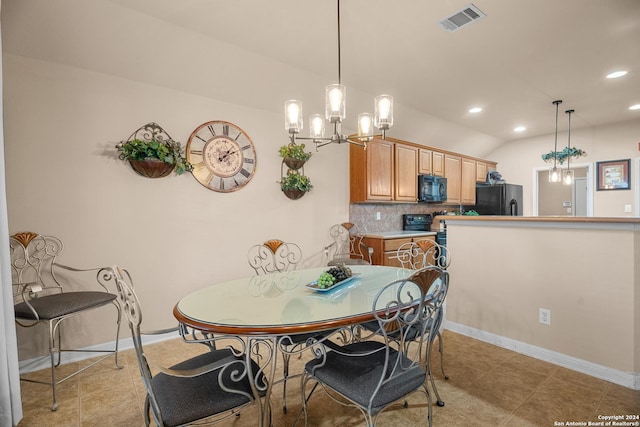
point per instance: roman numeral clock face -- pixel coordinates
(223, 156)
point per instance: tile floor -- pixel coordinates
(487, 386)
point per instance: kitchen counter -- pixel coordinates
(399, 234)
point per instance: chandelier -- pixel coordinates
(335, 108)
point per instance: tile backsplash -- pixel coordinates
(364, 214)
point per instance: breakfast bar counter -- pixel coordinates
(584, 270)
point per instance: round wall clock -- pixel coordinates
(223, 156)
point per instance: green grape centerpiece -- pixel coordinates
(334, 275)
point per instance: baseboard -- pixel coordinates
(44, 362)
(627, 379)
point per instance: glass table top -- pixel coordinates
(283, 302)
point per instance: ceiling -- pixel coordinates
(513, 63)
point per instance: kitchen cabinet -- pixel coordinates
(387, 171)
(437, 163)
(468, 182)
(424, 161)
(385, 249)
(371, 171)
(453, 173)
(406, 173)
(481, 171)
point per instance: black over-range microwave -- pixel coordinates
(432, 188)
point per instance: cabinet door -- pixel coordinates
(453, 173)
(391, 251)
(481, 172)
(437, 166)
(406, 173)
(468, 182)
(424, 162)
(380, 170)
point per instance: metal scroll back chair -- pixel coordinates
(372, 375)
(41, 296)
(434, 282)
(274, 256)
(419, 254)
(348, 247)
(207, 388)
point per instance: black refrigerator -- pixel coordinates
(499, 199)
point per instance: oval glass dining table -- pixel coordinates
(266, 309)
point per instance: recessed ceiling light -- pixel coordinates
(475, 110)
(616, 74)
(520, 129)
(635, 107)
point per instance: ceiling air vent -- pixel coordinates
(464, 17)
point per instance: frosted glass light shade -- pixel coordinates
(335, 97)
(293, 116)
(365, 124)
(568, 177)
(316, 126)
(554, 174)
(383, 119)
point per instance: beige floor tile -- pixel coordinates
(488, 387)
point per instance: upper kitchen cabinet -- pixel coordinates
(406, 173)
(387, 171)
(453, 173)
(468, 182)
(437, 163)
(482, 168)
(424, 162)
(481, 171)
(461, 180)
(371, 171)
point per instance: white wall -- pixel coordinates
(174, 235)
(114, 70)
(517, 159)
(593, 295)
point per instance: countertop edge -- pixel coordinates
(485, 218)
(557, 223)
(398, 234)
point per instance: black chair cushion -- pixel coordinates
(356, 377)
(184, 400)
(52, 306)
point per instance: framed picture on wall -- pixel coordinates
(613, 175)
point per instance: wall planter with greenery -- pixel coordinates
(152, 153)
(294, 155)
(294, 183)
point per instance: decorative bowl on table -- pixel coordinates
(332, 278)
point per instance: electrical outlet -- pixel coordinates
(378, 216)
(544, 316)
(627, 208)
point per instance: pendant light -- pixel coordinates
(554, 172)
(567, 175)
